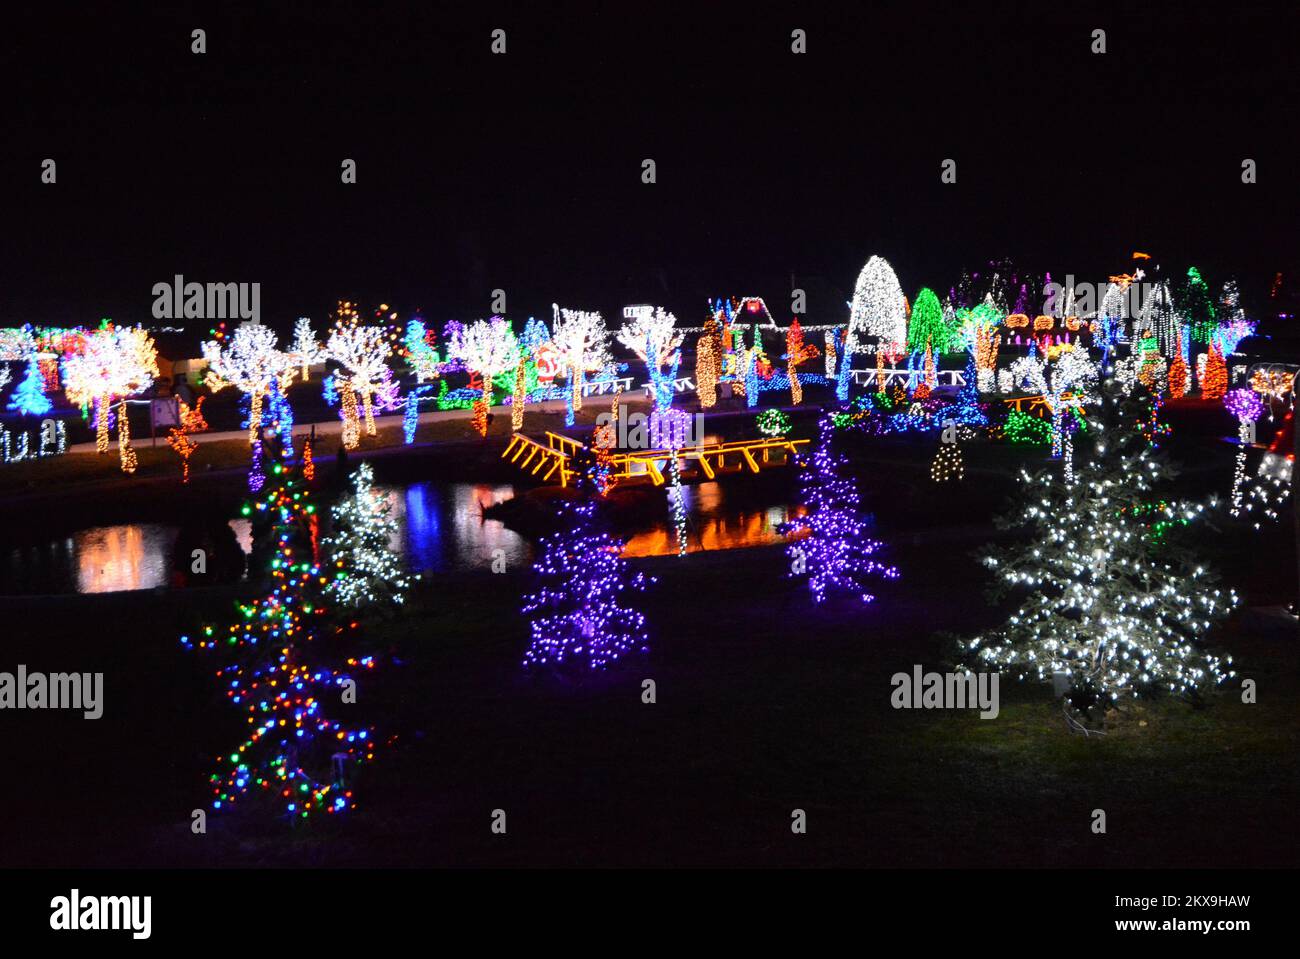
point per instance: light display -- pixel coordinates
(367, 574)
(1117, 612)
(29, 397)
(796, 352)
(652, 336)
(837, 553)
(878, 308)
(417, 348)
(111, 362)
(306, 350)
(281, 673)
(1247, 407)
(582, 343)
(578, 619)
(708, 363)
(1214, 381)
(363, 353)
(178, 438)
(929, 325)
(977, 331)
(1178, 376)
(488, 348)
(947, 464)
(520, 395)
(773, 423)
(248, 360)
(1196, 306)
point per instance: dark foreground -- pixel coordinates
(764, 705)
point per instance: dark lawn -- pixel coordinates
(764, 705)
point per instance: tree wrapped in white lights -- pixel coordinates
(249, 360)
(878, 308)
(306, 349)
(367, 572)
(1111, 600)
(112, 363)
(652, 336)
(582, 341)
(488, 348)
(363, 353)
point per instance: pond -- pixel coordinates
(440, 527)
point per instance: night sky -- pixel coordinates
(523, 171)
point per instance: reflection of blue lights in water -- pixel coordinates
(423, 531)
(440, 527)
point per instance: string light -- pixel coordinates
(796, 352)
(836, 553)
(577, 614)
(1116, 617)
(708, 354)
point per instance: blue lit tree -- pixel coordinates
(29, 396)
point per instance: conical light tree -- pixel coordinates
(1110, 600)
(292, 669)
(930, 325)
(488, 348)
(111, 363)
(363, 353)
(879, 308)
(838, 553)
(582, 341)
(368, 574)
(579, 619)
(29, 395)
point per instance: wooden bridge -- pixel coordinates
(708, 460)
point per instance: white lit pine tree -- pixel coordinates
(1110, 597)
(368, 574)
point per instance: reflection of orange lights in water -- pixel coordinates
(705, 532)
(121, 558)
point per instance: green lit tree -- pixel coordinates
(1194, 302)
(930, 326)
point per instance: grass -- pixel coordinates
(764, 704)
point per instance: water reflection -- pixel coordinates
(712, 523)
(440, 527)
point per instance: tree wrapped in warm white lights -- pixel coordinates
(363, 353)
(368, 574)
(582, 341)
(306, 350)
(249, 360)
(653, 338)
(112, 363)
(1110, 598)
(488, 348)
